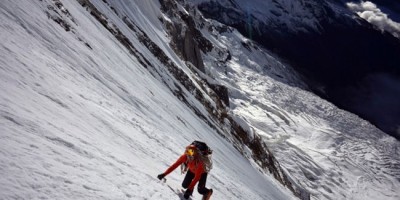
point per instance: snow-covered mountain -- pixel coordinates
(90, 112)
(99, 96)
(350, 59)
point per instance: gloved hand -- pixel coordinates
(160, 176)
(188, 193)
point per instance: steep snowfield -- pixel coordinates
(332, 153)
(81, 118)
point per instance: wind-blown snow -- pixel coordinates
(81, 118)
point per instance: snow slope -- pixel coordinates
(86, 115)
(81, 118)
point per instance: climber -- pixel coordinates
(197, 162)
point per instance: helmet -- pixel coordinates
(191, 150)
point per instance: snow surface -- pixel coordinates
(80, 122)
(81, 118)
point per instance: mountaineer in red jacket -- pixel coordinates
(196, 173)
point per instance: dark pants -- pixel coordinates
(201, 187)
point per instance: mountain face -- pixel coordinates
(95, 103)
(99, 96)
(344, 59)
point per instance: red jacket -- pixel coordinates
(195, 166)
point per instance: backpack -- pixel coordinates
(202, 147)
(205, 153)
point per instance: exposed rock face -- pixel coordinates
(191, 51)
(222, 93)
(186, 39)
